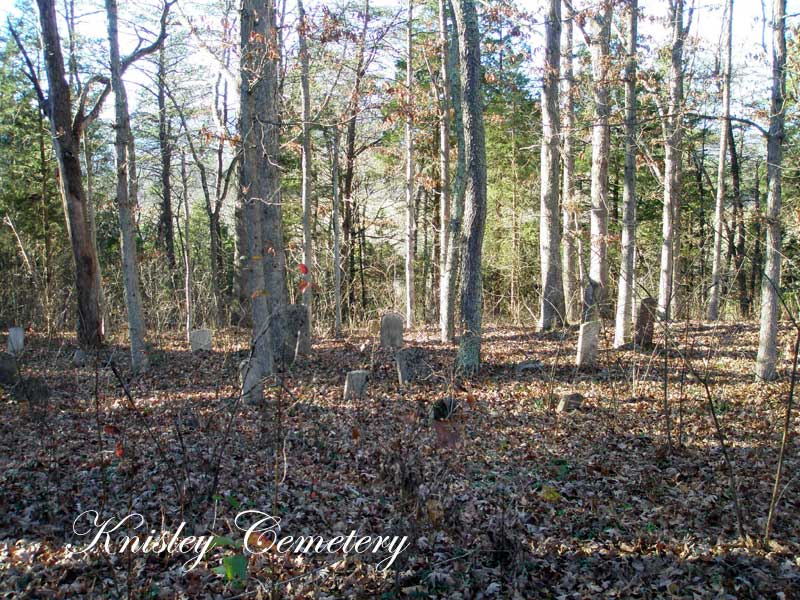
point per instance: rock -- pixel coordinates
(645, 319)
(528, 365)
(355, 384)
(8, 369)
(291, 335)
(200, 339)
(587, 344)
(567, 402)
(79, 358)
(411, 365)
(392, 331)
(16, 340)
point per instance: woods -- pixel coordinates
(511, 275)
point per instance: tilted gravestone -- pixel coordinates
(250, 382)
(392, 331)
(355, 384)
(79, 358)
(568, 402)
(291, 334)
(200, 339)
(645, 319)
(16, 340)
(8, 369)
(587, 343)
(411, 365)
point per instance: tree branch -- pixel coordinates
(31, 74)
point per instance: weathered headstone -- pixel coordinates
(355, 384)
(528, 365)
(291, 333)
(392, 331)
(32, 389)
(250, 381)
(567, 402)
(16, 340)
(8, 369)
(200, 339)
(645, 319)
(79, 358)
(587, 343)
(411, 365)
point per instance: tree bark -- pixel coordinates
(475, 195)
(305, 192)
(444, 171)
(126, 198)
(337, 253)
(724, 140)
(552, 304)
(572, 294)
(624, 315)
(409, 270)
(770, 285)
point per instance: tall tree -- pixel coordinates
(770, 284)
(469, 353)
(626, 271)
(126, 197)
(444, 171)
(305, 191)
(572, 295)
(552, 305)
(672, 127)
(409, 109)
(166, 229)
(719, 207)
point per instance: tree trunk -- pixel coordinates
(454, 237)
(572, 294)
(166, 233)
(739, 232)
(770, 285)
(337, 258)
(66, 144)
(552, 305)
(601, 140)
(126, 198)
(673, 130)
(724, 140)
(475, 195)
(444, 170)
(409, 170)
(624, 315)
(755, 270)
(187, 264)
(305, 193)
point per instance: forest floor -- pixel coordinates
(507, 498)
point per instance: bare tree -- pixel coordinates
(770, 285)
(719, 207)
(552, 305)
(466, 17)
(444, 170)
(305, 192)
(166, 229)
(627, 265)
(409, 270)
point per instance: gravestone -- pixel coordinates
(16, 340)
(200, 339)
(645, 319)
(8, 369)
(569, 402)
(250, 382)
(79, 358)
(411, 365)
(528, 365)
(355, 384)
(587, 344)
(291, 333)
(392, 331)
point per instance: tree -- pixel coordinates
(469, 352)
(770, 285)
(552, 305)
(166, 227)
(724, 133)
(305, 193)
(627, 264)
(410, 233)
(126, 197)
(444, 171)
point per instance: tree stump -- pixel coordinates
(645, 319)
(16, 340)
(587, 344)
(200, 339)
(392, 331)
(355, 384)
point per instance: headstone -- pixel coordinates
(79, 358)
(291, 333)
(33, 389)
(392, 331)
(250, 380)
(411, 365)
(8, 369)
(355, 384)
(587, 344)
(528, 365)
(645, 318)
(16, 340)
(569, 402)
(200, 339)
